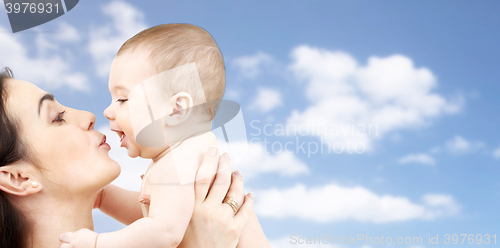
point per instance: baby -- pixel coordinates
(166, 83)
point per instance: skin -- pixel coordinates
(66, 151)
(212, 224)
(127, 70)
(210, 214)
(159, 228)
(72, 168)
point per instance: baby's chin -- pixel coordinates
(133, 151)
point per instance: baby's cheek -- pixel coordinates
(124, 121)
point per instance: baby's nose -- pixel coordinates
(109, 113)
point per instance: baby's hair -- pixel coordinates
(173, 45)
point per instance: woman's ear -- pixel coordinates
(180, 107)
(16, 180)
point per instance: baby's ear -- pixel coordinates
(17, 180)
(180, 107)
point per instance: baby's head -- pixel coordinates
(153, 52)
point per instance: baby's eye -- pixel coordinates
(122, 100)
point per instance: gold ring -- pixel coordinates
(231, 202)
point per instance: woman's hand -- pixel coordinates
(214, 224)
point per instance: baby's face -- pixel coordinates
(128, 70)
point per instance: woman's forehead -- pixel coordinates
(23, 87)
(23, 97)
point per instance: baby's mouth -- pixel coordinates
(123, 136)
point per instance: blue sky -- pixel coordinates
(424, 73)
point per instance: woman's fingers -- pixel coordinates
(246, 210)
(236, 189)
(206, 174)
(222, 180)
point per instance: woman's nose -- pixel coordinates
(92, 122)
(108, 113)
(86, 120)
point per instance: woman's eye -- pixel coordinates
(122, 100)
(60, 117)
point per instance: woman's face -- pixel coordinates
(71, 154)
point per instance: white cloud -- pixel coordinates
(259, 161)
(446, 201)
(251, 66)
(47, 69)
(131, 168)
(390, 93)
(67, 33)
(266, 100)
(496, 153)
(420, 158)
(459, 145)
(106, 39)
(333, 203)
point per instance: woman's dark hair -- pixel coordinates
(13, 225)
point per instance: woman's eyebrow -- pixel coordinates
(122, 88)
(47, 96)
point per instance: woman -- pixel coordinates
(53, 164)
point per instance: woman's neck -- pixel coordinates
(50, 218)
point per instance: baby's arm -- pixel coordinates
(120, 204)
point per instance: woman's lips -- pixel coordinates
(103, 142)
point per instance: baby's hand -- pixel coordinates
(83, 238)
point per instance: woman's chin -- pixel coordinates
(113, 173)
(117, 173)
